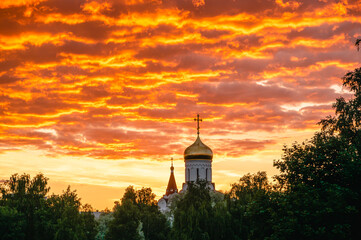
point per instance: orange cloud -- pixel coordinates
(121, 80)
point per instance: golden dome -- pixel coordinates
(198, 151)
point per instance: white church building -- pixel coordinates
(198, 166)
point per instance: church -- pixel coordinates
(198, 166)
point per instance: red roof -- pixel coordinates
(172, 185)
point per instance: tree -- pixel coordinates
(27, 213)
(27, 197)
(130, 194)
(322, 176)
(250, 204)
(196, 216)
(125, 222)
(137, 217)
(102, 224)
(88, 222)
(145, 197)
(67, 220)
(154, 223)
(357, 43)
(12, 224)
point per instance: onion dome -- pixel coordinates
(198, 151)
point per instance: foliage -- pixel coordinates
(325, 172)
(27, 197)
(125, 222)
(249, 203)
(11, 224)
(137, 217)
(102, 224)
(357, 43)
(29, 214)
(89, 224)
(130, 195)
(196, 216)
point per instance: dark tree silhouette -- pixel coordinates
(26, 212)
(138, 217)
(357, 43)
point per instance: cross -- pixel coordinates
(171, 167)
(198, 120)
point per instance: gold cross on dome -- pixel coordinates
(198, 120)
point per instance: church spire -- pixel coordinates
(172, 185)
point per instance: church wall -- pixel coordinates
(204, 170)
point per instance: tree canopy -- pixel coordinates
(137, 217)
(26, 212)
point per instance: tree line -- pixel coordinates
(27, 212)
(316, 195)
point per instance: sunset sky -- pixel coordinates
(100, 95)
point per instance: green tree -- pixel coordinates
(137, 217)
(154, 223)
(67, 221)
(102, 224)
(250, 205)
(28, 213)
(145, 197)
(27, 197)
(125, 223)
(130, 194)
(322, 176)
(196, 216)
(12, 224)
(88, 221)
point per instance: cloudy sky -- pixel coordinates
(101, 94)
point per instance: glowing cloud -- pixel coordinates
(117, 84)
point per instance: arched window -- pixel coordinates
(189, 174)
(197, 173)
(206, 174)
